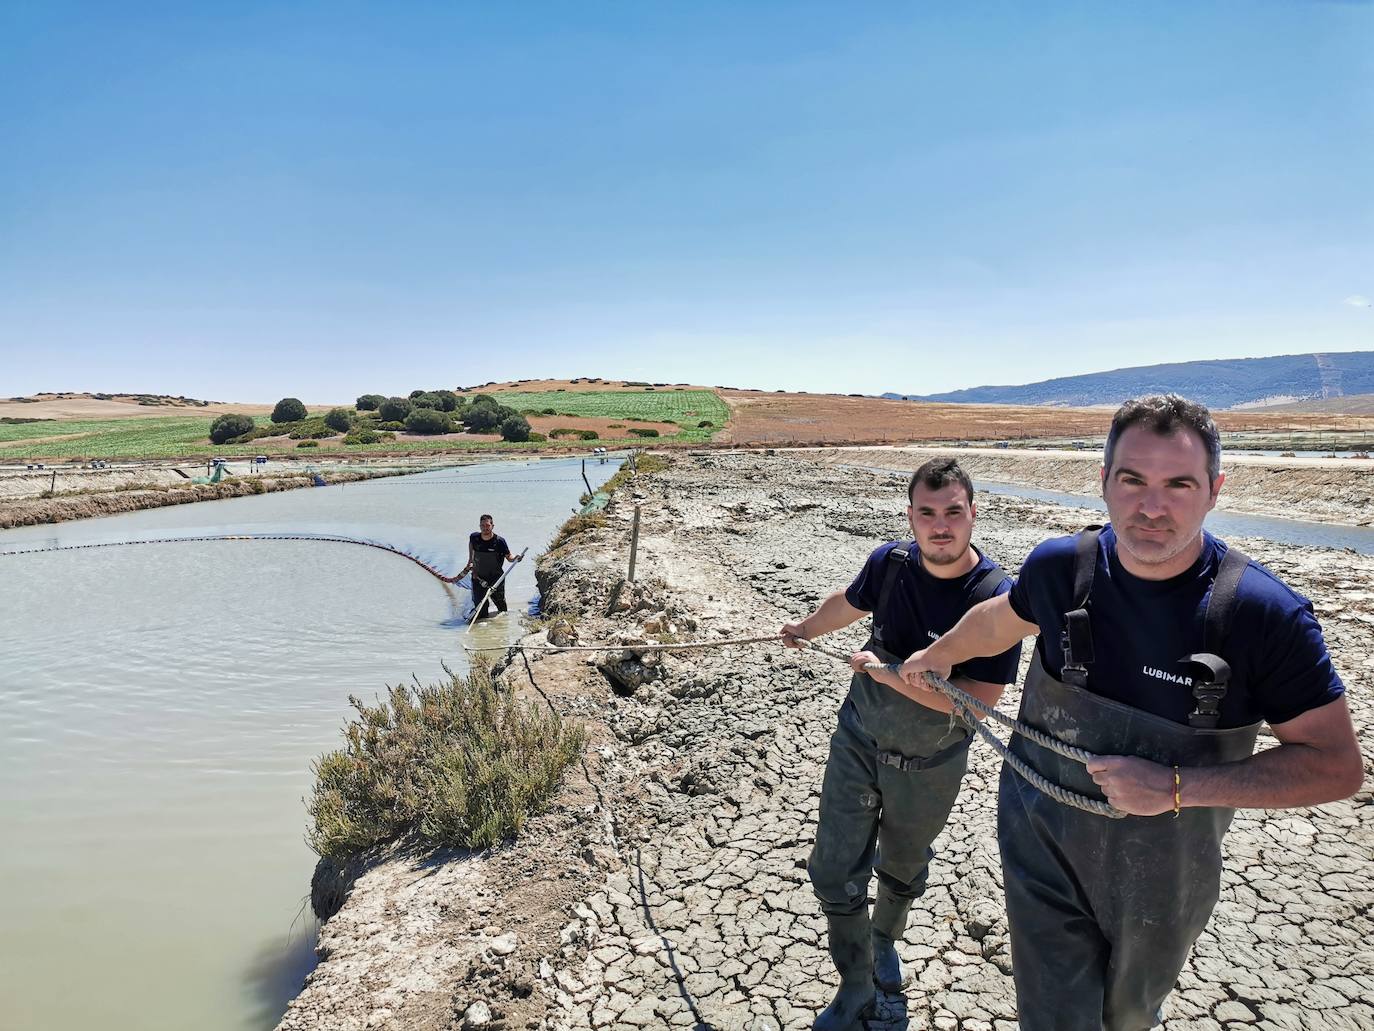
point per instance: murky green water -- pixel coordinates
(159, 709)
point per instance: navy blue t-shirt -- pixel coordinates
(923, 607)
(1280, 667)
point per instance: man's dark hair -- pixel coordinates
(1166, 414)
(937, 473)
(484, 516)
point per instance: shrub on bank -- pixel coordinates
(309, 443)
(339, 419)
(485, 416)
(458, 763)
(515, 428)
(448, 400)
(536, 438)
(589, 435)
(226, 427)
(564, 431)
(642, 431)
(369, 402)
(289, 409)
(395, 427)
(428, 421)
(394, 409)
(363, 437)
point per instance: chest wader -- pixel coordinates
(487, 567)
(891, 778)
(1103, 911)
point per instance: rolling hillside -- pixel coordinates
(1221, 383)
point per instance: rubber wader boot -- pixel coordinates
(851, 949)
(889, 924)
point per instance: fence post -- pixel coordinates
(585, 481)
(634, 544)
(52, 487)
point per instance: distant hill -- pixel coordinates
(1220, 383)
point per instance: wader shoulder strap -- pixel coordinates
(1077, 638)
(896, 562)
(987, 586)
(1212, 673)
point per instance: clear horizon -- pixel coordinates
(245, 201)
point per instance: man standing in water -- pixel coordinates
(1161, 650)
(487, 553)
(895, 765)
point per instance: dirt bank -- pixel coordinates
(154, 489)
(1327, 490)
(667, 886)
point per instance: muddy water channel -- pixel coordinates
(160, 707)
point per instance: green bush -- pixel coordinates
(589, 434)
(549, 411)
(515, 428)
(309, 443)
(395, 426)
(615, 426)
(564, 431)
(643, 431)
(705, 424)
(428, 401)
(428, 421)
(289, 409)
(363, 437)
(226, 427)
(448, 400)
(394, 409)
(459, 764)
(536, 438)
(485, 417)
(369, 402)
(340, 419)
(416, 393)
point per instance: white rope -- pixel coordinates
(963, 703)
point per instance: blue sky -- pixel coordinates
(242, 201)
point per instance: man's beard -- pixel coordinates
(944, 558)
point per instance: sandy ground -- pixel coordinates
(675, 866)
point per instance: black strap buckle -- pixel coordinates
(1211, 678)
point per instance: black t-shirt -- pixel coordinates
(488, 556)
(923, 607)
(1280, 667)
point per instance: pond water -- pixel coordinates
(161, 708)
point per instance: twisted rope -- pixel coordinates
(964, 705)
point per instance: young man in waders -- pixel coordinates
(487, 554)
(895, 765)
(1162, 650)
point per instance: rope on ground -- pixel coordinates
(964, 704)
(328, 538)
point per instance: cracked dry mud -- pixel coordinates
(695, 908)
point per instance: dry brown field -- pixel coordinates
(575, 386)
(781, 418)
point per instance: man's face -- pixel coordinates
(941, 521)
(1157, 493)
(487, 526)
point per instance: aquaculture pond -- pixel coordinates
(161, 707)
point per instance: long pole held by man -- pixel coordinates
(1162, 650)
(487, 554)
(896, 764)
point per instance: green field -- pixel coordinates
(184, 436)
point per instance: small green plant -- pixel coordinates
(308, 443)
(515, 428)
(394, 409)
(459, 763)
(536, 438)
(589, 435)
(289, 409)
(428, 421)
(227, 427)
(339, 419)
(642, 431)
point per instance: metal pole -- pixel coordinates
(52, 487)
(634, 544)
(584, 479)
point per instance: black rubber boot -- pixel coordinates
(889, 925)
(851, 949)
